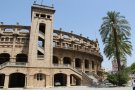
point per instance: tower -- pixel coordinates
(41, 36)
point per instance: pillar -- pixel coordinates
(6, 82)
(73, 63)
(49, 81)
(90, 66)
(82, 66)
(61, 60)
(68, 80)
(29, 81)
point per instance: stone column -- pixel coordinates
(6, 82)
(90, 66)
(82, 66)
(61, 60)
(25, 81)
(13, 57)
(29, 80)
(68, 80)
(73, 63)
(49, 81)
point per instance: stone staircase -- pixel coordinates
(41, 49)
(87, 79)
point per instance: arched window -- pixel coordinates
(77, 63)
(39, 76)
(66, 60)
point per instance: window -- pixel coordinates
(2, 39)
(11, 39)
(18, 40)
(48, 16)
(39, 76)
(37, 15)
(23, 40)
(43, 15)
(6, 39)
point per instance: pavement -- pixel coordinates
(74, 88)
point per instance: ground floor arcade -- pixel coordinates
(20, 80)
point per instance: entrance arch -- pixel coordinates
(4, 57)
(75, 80)
(16, 80)
(2, 79)
(60, 79)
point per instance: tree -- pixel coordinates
(115, 33)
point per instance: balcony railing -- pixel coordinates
(13, 64)
(67, 66)
(82, 50)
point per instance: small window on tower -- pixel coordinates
(43, 15)
(48, 16)
(37, 15)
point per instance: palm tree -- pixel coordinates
(115, 33)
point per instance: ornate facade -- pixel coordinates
(39, 56)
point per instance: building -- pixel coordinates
(39, 56)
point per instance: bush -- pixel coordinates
(120, 78)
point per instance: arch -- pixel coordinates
(42, 28)
(21, 58)
(60, 79)
(75, 80)
(86, 63)
(78, 63)
(66, 60)
(16, 80)
(4, 57)
(93, 65)
(55, 60)
(2, 79)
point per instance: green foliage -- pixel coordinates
(132, 68)
(120, 78)
(115, 33)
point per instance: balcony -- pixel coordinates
(24, 64)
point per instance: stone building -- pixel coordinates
(40, 56)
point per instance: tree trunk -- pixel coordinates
(117, 50)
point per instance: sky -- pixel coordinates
(80, 16)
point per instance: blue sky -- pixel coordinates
(80, 16)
